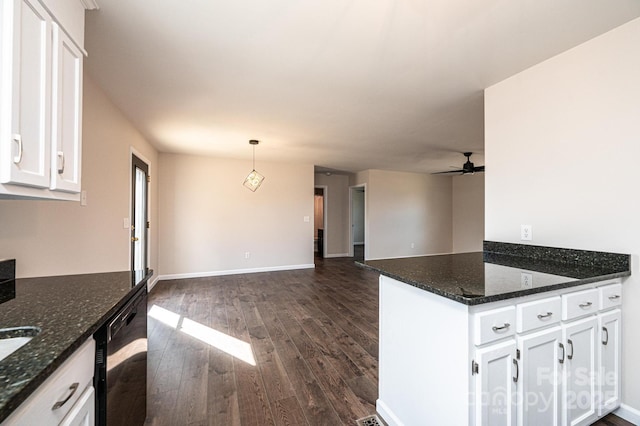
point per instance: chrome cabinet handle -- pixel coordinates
(60, 162)
(614, 297)
(17, 138)
(585, 305)
(502, 327)
(544, 316)
(515, 379)
(73, 388)
(569, 342)
(605, 335)
(561, 346)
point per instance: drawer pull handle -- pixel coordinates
(73, 388)
(614, 297)
(570, 343)
(585, 305)
(515, 379)
(501, 328)
(561, 346)
(605, 335)
(545, 316)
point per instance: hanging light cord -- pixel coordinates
(254, 157)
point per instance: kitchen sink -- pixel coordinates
(12, 339)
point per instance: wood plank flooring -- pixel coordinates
(313, 335)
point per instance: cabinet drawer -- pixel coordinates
(38, 408)
(579, 303)
(538, 314)
(494, 325)
(610, 296)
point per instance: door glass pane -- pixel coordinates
(140, 226)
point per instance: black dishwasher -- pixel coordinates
(121, 365)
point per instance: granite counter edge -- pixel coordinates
(472, 301)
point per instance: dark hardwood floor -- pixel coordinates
(313, 335)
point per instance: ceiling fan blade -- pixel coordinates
(449, 172)
(478, 169)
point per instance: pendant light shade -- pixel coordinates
(254, 179)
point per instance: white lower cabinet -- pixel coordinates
(495, 393)
(580, 371)
(608, 394)
(550, 372)
(539, 387)
(551, 358)
(66, 398)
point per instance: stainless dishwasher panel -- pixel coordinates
(122, 393)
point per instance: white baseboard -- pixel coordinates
(337, 255)
(628, 413)
(386, 414)
(152, 283)
(234, 272)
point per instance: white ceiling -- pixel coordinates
(343, 84)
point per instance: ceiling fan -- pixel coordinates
(467, 167)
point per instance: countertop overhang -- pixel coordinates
(497, 272)
(68, 310)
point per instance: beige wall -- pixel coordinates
(404, 209)
(468, 212)
(208, 220)
(62, 237)
(336, 236)
(562, 150)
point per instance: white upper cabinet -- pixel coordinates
(41, 103)
(66, 135)
(26, 81)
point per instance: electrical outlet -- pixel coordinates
(413, 245)
(247, 254)
(525, 232)
(526, 280)
(83, 197)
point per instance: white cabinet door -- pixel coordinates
(26, 91)
(66, 123)
(539, 387)
(83, 412)
(580, 367)
(495, 388)
(610, 361)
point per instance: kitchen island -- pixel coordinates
(66, 310)
(500, 336)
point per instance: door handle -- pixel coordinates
(605, 335)
(561, 360)
(515, 379)
(60, 162)
(134, 239)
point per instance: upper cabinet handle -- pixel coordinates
(585, 305)
(543, 316)
(60, 162)
(18, 139)
(502, 327)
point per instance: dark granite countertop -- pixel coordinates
(497, 272)
(68, 310)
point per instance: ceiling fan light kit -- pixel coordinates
(253, 179)
(467, 168)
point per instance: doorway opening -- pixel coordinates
(320, 221)
(139, 214)
(357, 235)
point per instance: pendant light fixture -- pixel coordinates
(254, 179)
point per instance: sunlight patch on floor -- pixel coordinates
(228, 344)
